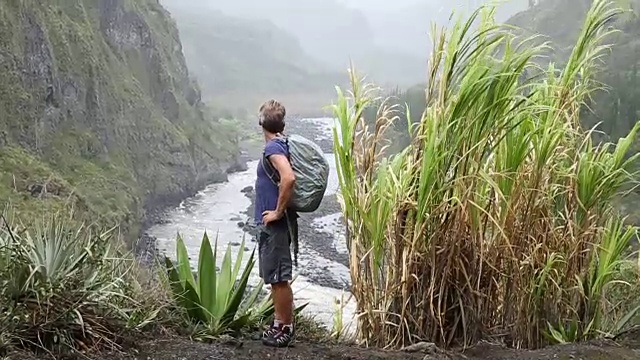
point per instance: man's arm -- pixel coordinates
(287, 181)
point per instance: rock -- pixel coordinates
(247, 189)
(436, 357)
(229, 340)
(193, 93)
(35, 189)
(425, 347)
(234, 244)
(146, 250)
(241, 224)
(238, 166)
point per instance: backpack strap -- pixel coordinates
(292, 225)
(268, 167)
(271, 172)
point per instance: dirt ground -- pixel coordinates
(179, 349)
(176, 348)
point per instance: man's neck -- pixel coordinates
(269, 136)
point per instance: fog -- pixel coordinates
(404, 24)
(387, 40)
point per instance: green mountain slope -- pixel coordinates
(614, 110)
(559, 21)
(97, 111)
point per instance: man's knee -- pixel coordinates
(280, 285)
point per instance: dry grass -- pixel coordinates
(497, 220)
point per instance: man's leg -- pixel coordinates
(264, 270)
(276, 269)
(283, 302)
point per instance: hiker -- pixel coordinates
(276, 223)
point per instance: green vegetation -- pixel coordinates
(339, 330)
(97, 113)
(218, 300)
(99, 123)
(490, 216)
(215, 299)
(67, 287)
(613, 107)
(408, 104)
(497, 220)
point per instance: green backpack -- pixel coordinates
(311, 169)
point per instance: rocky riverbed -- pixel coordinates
(146, 248)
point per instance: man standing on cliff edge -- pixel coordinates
(275, 223)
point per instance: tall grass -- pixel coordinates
(496, 221)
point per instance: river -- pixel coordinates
(220, 210)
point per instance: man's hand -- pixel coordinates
(270, 216)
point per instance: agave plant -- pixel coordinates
(62, 285)
(215, 298)
(218, 298)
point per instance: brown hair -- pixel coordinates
(272, 115)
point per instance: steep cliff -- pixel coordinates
(98, 112)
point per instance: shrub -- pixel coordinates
(497, 220)
(65, 287)
(215, 298)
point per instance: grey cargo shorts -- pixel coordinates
(274, 254)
